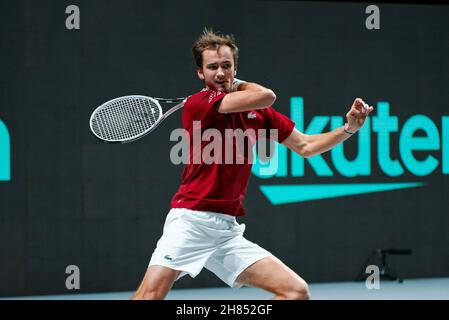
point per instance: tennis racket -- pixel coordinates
(128, 118)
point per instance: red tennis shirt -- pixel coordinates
(221, 186)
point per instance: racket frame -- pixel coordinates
(155, 100)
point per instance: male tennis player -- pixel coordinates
(201, 228)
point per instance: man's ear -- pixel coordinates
(200, 73)
(235, 72)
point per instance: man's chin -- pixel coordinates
(220, 88)
(224, 89)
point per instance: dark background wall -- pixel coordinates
(73, 200)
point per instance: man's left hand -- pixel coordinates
(357, 114)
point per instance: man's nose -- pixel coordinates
(220, 72)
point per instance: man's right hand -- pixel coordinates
(236, 84)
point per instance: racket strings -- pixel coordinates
(126, 118)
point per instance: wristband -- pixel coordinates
(347, 131)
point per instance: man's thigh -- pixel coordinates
(272, 275)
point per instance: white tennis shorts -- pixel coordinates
(196, 239)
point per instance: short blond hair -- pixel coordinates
(212, 40)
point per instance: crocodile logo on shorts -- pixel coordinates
(167, 257)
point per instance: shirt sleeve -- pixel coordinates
(276, 120)
(202, 107)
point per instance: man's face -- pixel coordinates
(218, 69)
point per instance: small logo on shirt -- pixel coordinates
(252, 115)
(167, 257)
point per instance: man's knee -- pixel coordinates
(299, 291)
(156, 284)
(149, 294)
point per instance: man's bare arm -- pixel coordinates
(249, 96)
(310, 145)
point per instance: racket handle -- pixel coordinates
(174, 109)
(174, 100)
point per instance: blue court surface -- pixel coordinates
(410, 289)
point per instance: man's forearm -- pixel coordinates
(308, 145)
(248, 96)
(319, 143)
(251, 86)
